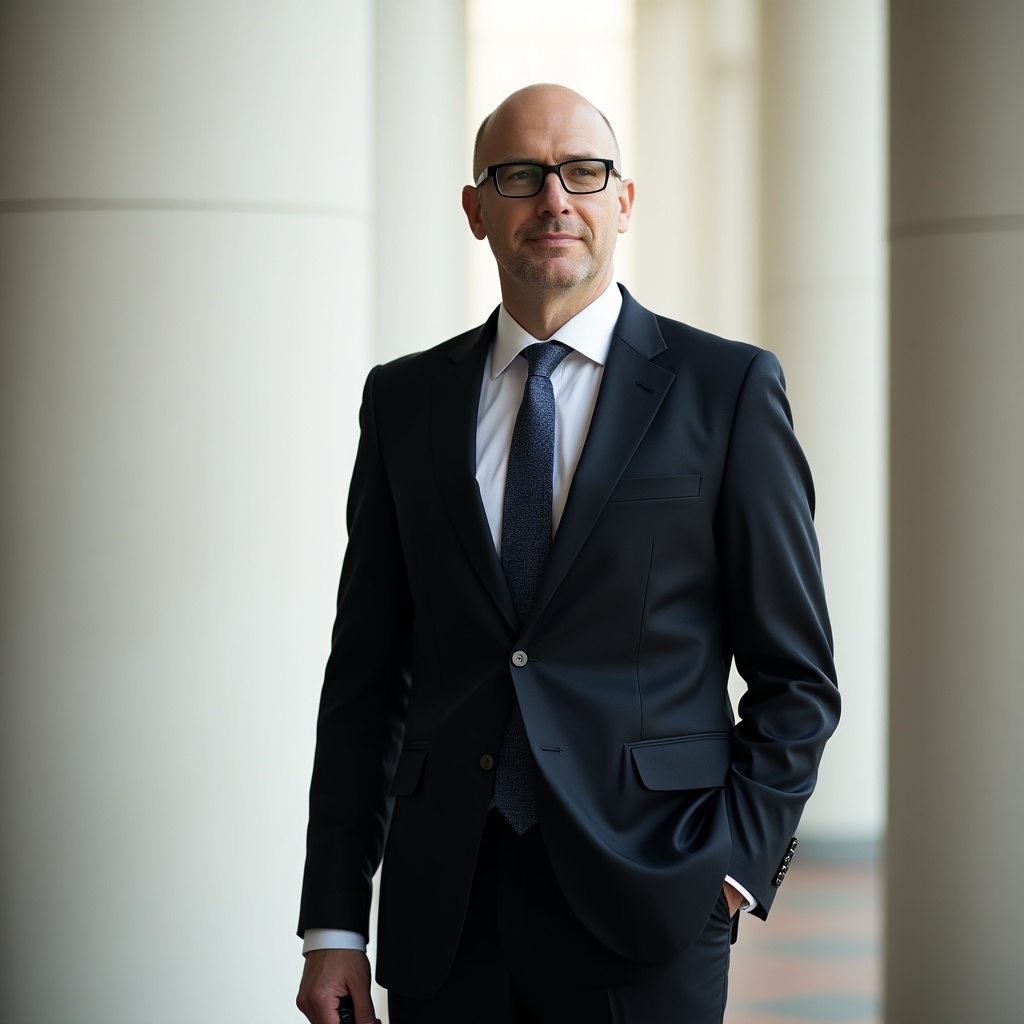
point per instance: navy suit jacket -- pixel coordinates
(686, 542)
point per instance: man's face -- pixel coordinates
(554, 241)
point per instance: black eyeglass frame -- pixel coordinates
(546, 169)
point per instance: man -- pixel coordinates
(555, 552)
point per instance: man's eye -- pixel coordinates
(517, 175)
(518, 172)
(585, 171)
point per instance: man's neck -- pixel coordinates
(541, 314)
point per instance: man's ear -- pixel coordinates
(626, 195)
(471, 205)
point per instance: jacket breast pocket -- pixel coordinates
(698, 761)
(656, 488)
(408, 772)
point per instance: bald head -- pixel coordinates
(536, 106)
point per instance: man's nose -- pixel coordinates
(552, 195)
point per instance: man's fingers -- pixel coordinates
(330, 974)
(320, 1005)
(363, 1008)
(362, 1005)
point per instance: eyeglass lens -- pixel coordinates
(517, 180)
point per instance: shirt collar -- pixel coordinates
(589, 332)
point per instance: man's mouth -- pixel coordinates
(556, 239)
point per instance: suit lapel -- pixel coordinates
(454, 403)
(632, 391)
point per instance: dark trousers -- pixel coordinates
(525, 958)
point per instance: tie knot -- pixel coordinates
(544, 357)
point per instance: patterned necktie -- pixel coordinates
(525, 541)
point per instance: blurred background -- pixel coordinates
(216, 216)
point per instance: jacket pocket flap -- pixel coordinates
(407, 774)
(646, 488)
(683, 762)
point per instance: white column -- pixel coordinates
(185, 315)
(420, 131)
(672, 172)
(823, 301)
(695, 226)
(956, 834)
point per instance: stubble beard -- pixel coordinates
(557, 272)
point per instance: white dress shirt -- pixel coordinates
(575, 381)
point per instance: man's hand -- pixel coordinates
(733, 897)
(330, 974)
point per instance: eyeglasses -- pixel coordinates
(520, 181)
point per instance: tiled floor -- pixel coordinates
(817, 958)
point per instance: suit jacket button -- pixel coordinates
(487, 762)
(519, 659)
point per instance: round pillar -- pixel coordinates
(419, 141)
(956, 841)
(822, 265)
(695, 224)
(185, 320)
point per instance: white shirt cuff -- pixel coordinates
(749, 902)
(332, 938)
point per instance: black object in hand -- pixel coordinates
(346, 1012)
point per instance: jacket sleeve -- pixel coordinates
(362, 702)
(774, 606)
